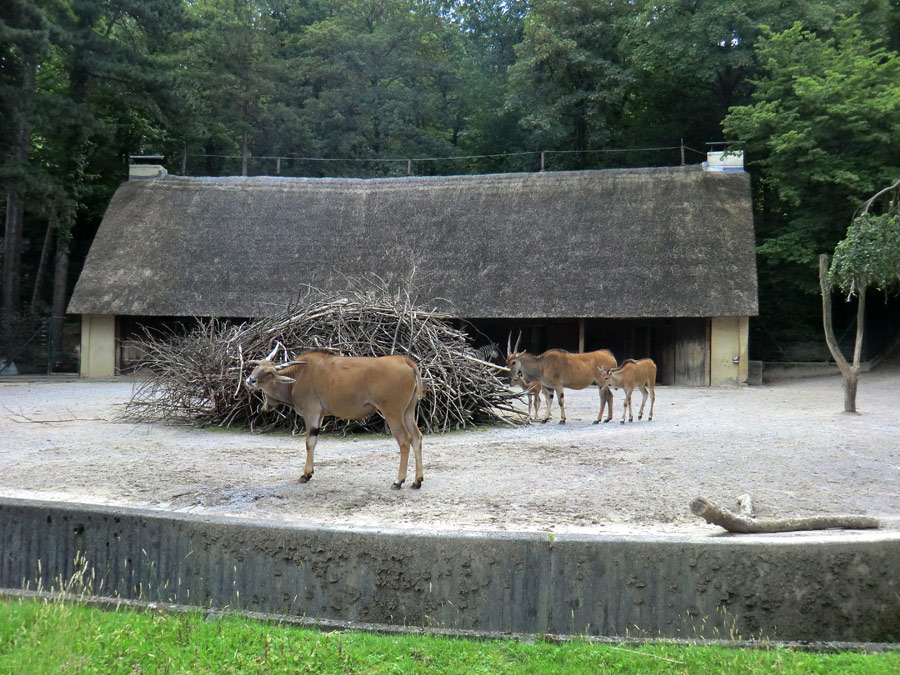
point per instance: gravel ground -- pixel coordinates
(788, 445)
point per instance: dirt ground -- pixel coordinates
(788, 445)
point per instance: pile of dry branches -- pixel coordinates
(197, 378)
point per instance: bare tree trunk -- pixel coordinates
(11, 298)
(12, 256)
(42, 268)
(60, 285)
(850, 372)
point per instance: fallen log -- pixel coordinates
(717, 515)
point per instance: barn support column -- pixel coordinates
(728, 347)
(98, 345)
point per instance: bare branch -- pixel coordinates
(197, 377)
(717, 515)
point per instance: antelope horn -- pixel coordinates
(509, 343)
(274, 352)
(518, 340)
(289, 363)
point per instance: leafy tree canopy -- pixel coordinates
(824, 130)
(870, 253)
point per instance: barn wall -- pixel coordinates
(98, 345)
(691, 348)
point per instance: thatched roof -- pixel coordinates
(663, 242)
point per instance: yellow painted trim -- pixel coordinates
(98, 345)
(728, 350)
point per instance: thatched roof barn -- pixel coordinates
(631, 244)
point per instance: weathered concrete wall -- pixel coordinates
(777, 371)
(822, 587)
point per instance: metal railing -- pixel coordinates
(192, 164)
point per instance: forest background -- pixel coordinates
(809, 90)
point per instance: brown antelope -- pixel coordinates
(320, 384)
(534, 390)
(631, 374)
(557, 369)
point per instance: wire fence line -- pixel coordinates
(523, 161)
(39, 345)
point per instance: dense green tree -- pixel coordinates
(382, 76)
(88, 87)
(241, 86)
(569, 82)
(24, 39)
(484, 127)
(693, 60)
(823, 132)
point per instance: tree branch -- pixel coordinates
(717, 515)
(868, 204)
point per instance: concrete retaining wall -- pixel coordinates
(822, 587)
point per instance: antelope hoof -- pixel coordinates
(596, 421)
(417, 483)
(305, 478)
(396, 485)
(545, 421)
(562, 421)
(622, 422)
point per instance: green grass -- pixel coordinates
(41, 636)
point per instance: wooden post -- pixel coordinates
(278, 166)
(184, 161)
(409, 167)
(542, 160)
(244, 154)
(581, 336)
(682, 152)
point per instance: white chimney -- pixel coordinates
(723, 160)
(141, 167)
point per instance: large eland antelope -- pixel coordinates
(557, 369)
(631, 374)
(320, 384)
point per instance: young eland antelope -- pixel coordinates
(631, 374)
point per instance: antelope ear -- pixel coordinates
(285, 379)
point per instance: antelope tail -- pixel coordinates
(420, 386)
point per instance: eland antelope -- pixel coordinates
(631, 374)
(557, 369)
(319, 384)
